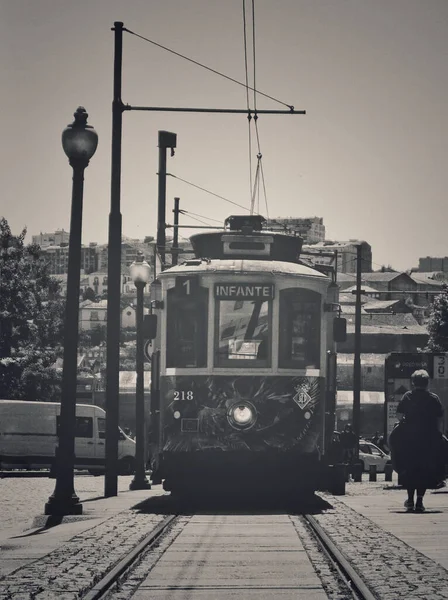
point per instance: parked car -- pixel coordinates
(369, 454)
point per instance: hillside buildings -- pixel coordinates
(342, 256)
(311, 229)
(432, 264)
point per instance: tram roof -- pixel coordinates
(243, 266)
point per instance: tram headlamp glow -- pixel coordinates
(242, 415)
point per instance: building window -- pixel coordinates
(94, 315)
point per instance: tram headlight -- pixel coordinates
(242, 415)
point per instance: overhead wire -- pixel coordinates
(188, 212)
(207, 191)
(291, 107)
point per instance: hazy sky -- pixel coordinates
(370, 156)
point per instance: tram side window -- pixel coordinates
(299, 342)
(187, 329)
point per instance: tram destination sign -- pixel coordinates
(244, 291)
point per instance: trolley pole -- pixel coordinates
(175, 248)
(357, 353)
(166, 140)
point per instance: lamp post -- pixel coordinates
(79, 142)
(141, 274)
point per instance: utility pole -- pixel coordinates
(357, 353)
(114, 278)
(175, 248)
(166, 140)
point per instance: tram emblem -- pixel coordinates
(302, 398)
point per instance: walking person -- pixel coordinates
(349, 443)
(417, 441)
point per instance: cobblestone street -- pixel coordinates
(23, 498)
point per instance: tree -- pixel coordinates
(92, 337)
(89, 294)
(31, 321)
(438, 323)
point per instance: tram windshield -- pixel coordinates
(187, 329)
(243, 333)
(299, 340)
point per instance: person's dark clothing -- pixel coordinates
(416, 442)
(348, 444)
(421, 409)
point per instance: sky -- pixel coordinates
(369, 156)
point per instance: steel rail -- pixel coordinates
(125, 563)
(343, 566)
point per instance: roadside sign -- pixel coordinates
(147, 350)
(391, 416)
(440, 366)
(400, 365)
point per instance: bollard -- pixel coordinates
(357, 472)
(372, 473)
(337, 476)
(388, 470)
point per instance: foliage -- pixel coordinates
(438, 323)
(31, 321)
(89, 294)
(128, 334)
(92, 337)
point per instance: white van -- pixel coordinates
(28, 437)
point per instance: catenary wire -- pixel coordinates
(206, 67)
(188, 212)
(207, 191)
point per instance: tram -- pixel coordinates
(244, 368)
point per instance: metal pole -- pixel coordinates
(114, 278)
(64, 500)
(175, 248)
(166, 140)
(140, 481)
(357, 353)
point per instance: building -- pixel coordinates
(92, 314)
(342, 256)
(311, 229)
(96, 281)
(56, 258)
(57, 238)
(392, 285)
(431, 263)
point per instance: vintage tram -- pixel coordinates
(244, 366)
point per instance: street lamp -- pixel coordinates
(141, 274)
(79, 142)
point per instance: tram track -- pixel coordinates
(351, 578)
(103, 586)
(136, 566)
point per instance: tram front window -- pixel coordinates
(299, 342)
(243, 333)
(187, 329)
